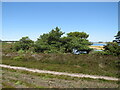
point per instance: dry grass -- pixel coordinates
(23, 79)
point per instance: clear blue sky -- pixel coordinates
(98, 19)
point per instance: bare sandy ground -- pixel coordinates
(96, 47)
(60, 73)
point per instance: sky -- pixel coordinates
(98, 19)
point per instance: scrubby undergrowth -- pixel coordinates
(87, 63)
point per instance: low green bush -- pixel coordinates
(21, 51)
(17, 58)
(112, 48)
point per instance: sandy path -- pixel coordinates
(60, 73)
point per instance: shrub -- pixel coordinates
(112, 48)
(21, 51)
(24, 43)
(19, 58)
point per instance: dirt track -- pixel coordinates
(60, 73)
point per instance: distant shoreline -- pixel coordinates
(99, 42)
(97, 47)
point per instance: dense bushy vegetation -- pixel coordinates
(24, 44)
(84, 63)
(53, 42)
(32, 54)
(113, 48)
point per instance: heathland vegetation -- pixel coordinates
(54, 52)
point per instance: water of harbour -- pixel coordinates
(98, 44)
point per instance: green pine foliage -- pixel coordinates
(53, 42)
(112, 48)
(24, 44)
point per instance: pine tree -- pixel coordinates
(117, 37)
